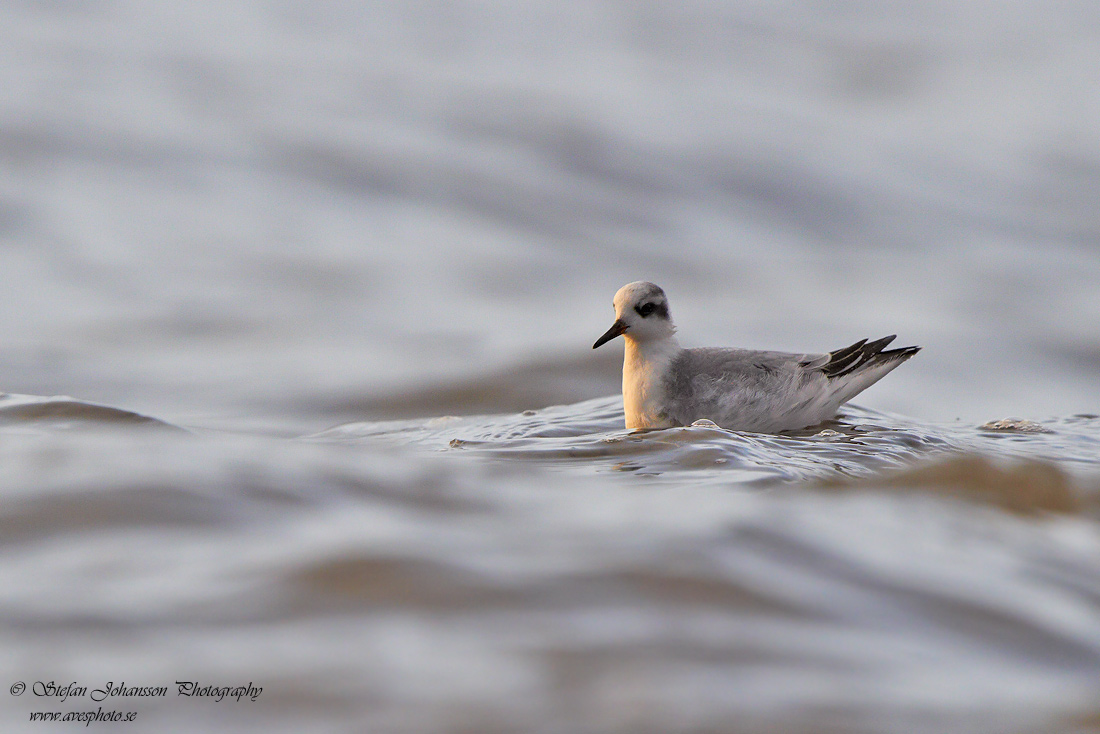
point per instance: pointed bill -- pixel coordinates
(616, 329)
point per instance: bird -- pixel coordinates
(665, 385)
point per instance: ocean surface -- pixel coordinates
(298, 395)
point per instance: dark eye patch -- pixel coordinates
(647, 309)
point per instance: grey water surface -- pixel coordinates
(298, 390)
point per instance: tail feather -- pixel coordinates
(842, 358)
(864, 355)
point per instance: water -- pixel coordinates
(322, 280)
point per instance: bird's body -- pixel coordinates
(665, 385)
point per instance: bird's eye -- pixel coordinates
(645, 309)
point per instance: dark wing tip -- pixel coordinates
(900, 353)
(863, 353)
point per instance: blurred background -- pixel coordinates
(258, 220)
(290, 213)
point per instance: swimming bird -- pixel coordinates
(665, 385)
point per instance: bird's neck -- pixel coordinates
(649, 354)
(644, 367)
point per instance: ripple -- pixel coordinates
(1024, 487)
(62, 412)
(588, 436)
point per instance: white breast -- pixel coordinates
(644, 369)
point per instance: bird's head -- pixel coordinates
(641, 314)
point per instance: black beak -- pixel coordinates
(616, 329)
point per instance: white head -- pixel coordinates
(641, 311)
